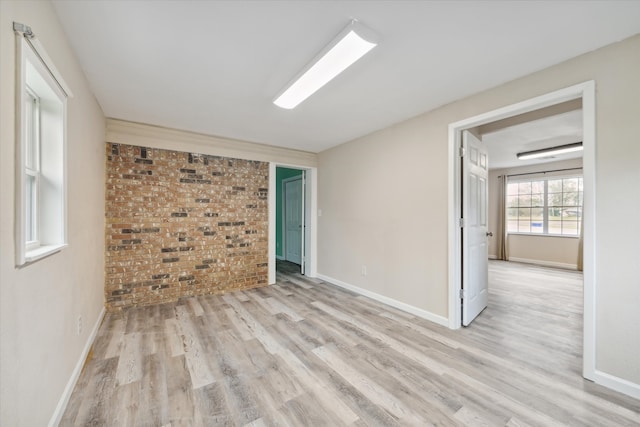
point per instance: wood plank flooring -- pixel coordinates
(305, 353)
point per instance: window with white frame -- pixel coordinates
(546, 206)
(40, 161)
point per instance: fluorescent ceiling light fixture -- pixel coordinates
(350, 45)
(560, 149)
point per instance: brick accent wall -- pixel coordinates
(180, 224)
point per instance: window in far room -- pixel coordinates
(545, 206)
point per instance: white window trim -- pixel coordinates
(562, 236)
(31, 50)
(43, 251)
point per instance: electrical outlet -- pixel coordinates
(79, 330)
(364, 270)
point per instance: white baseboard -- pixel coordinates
(617, 384)
(66, 394)
(493, 256)
(389, 301)
(545, 263)
(281, 258)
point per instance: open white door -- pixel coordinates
(293, 218)
(475, 276)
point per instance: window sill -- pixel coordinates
(564, 236)
(40, 252)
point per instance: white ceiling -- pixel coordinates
(214, 67)
(560, 129)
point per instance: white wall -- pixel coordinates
(544, 250)
(384, 200)
(40, 303)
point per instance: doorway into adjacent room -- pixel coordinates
(290, 219)
(466, 207)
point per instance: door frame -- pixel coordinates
(284, 214)
(586, 92)
(311, 219)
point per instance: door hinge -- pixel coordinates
(461, 222)
(461, 293)
(461, 151)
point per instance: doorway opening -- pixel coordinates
(290, 215)
(292, 219)
(458, 269)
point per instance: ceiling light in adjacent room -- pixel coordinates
(545, 152)
(350, 45)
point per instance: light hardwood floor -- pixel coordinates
(305, 353)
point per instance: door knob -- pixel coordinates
(490, 233)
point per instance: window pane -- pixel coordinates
(555, 185)
(512, 226)
(524, 187)
(512, 213)
(570, 213)
(30, 210)
(31, 130)
(570, 198)
(537, 220)
(536, 214)
(537, 200)
(554, 199)
(512, 201)
(537, 187)
(524, 226)
(570, 184)
(524, 200)
(555, 227)
(570, 228)
(512, 189)
(524, 213)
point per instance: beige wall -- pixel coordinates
(544, 250)
(384, 200)
(551, 251)
(40, 303)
